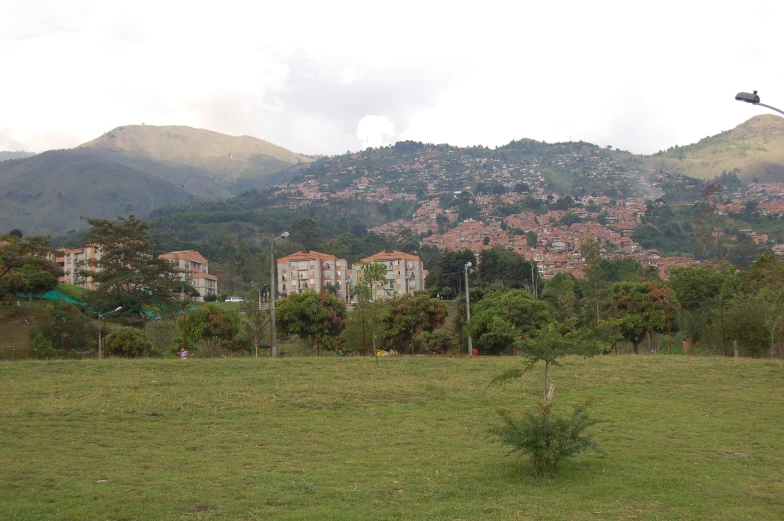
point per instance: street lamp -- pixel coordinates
(100, 328)
(273, 284)
(754, 99)
(468, 309)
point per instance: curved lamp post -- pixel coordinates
(754, 99)
(273, 284)
(468, 310)
(100, 328)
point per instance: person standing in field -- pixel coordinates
(183, 354)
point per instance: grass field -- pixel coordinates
(346, 438)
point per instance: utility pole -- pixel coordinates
(101, 321)
(273, 285)
(468, 309)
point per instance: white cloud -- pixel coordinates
(308, 75)
(376, 131)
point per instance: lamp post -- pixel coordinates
(754, 99)
(468, 309)
(273, 283)
(100, 328)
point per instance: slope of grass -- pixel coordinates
(755, 147)
(338, 438)
(72, 291)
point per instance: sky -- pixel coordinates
(327, 77)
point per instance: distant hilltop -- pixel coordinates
(208, 164)
(134, 169)
(754, 150)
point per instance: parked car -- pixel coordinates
(235, 299)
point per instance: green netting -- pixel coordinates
(51, 295)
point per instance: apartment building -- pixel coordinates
(195, 271)
(301, 272)
(405, 274)
(73, 260)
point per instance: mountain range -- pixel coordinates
(134, 169)
(138, 168)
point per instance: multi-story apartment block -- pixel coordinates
(405, 273)
(73, 260)
(195, 271)
(300, 272)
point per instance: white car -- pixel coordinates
(235, 299)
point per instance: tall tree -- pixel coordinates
(446, 278)
(699, 293)
(500, 267)
(591, 252)
(305, 232)
(129, 272)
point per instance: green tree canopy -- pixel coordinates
(315, 318)
(409, 315)
(503, 316)
(640, 307)
(212, 328)
(24, 265)
(126, 342)
(447, 277)
(500, 267)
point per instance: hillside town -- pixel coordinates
(543, 236)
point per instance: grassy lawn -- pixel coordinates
(345, 438)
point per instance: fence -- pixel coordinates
(10, 355)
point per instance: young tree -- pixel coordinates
(129, 272)
(408, 315)
(546, 437)
(554, 341)
(372, 278)
(315, 318)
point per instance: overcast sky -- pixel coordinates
(326, 77)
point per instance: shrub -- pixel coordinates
(546, 437)
(42, 347)
(439, 342)
(126, 342)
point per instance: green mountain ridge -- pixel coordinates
(47, 193)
